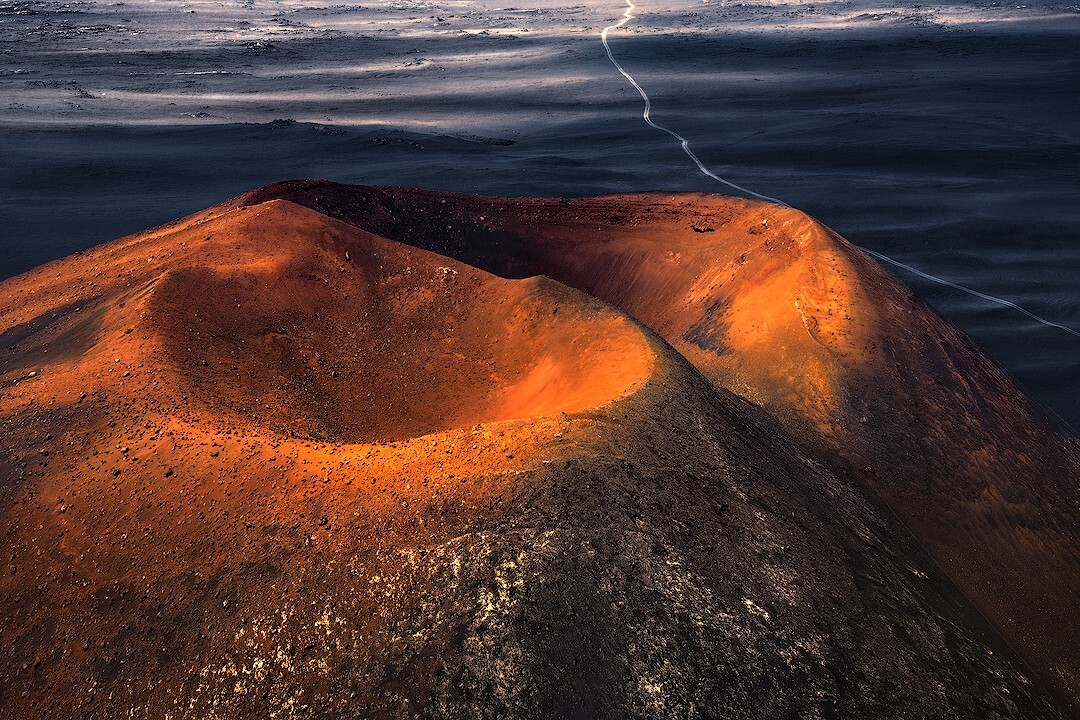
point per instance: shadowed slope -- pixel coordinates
(778, 309)
(191, 530)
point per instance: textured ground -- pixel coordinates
(264, 461)
(776, 308)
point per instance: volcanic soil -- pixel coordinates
(780, 310)
(333, 451)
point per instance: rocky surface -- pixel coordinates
(214, 503)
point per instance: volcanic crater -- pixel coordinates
(344, 336)
(341, 451)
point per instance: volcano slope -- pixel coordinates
(262, 462)
(778, 309)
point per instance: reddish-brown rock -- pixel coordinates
(262, 460)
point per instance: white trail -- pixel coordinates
(647, 114)
(976, 293)
(628, 15)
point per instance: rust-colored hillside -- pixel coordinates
(333, 451)
(778, 309)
